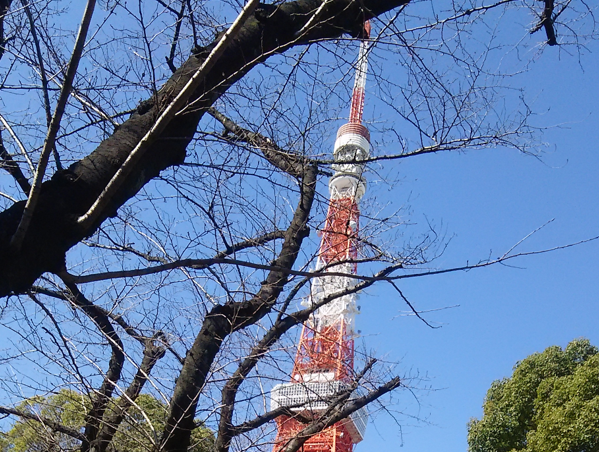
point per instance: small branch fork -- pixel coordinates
(282, 325)
(547, 21)
(13, 168)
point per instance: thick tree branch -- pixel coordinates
(225, 319)
(546, 21)
(53, 229)
(290, 163)
(265, 418)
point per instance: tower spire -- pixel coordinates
(324, 363)
(357, 100)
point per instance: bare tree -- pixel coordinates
(148, 246)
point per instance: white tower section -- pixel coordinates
(353, 139)
(346, 186)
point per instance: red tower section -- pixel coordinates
(324, 363)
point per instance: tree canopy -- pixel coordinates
(549, 404)
(165, 168)
(137, 432)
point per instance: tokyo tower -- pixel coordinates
(324, 363)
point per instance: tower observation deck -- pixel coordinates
(324, 363)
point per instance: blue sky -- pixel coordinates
(486, 201)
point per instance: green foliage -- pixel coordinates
(550, 404)
(66, 407)
(138, 431)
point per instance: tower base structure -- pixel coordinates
(323, 369)
(334, 439)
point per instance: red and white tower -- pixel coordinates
(324, 364)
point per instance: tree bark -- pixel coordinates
(225, 319)
(70, 193)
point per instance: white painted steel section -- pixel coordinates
(316, 377)
(351, 147)
(348, 179)
(343, 307)
(352, 138)
(356, 424)
(314, 398)
(347, 186)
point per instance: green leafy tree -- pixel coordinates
(550, 404)
(139, 431)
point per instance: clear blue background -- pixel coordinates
(486, 201)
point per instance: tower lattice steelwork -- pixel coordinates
(324, 364)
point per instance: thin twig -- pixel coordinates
(200, 264)
(406, 301)
(165, 118)
(43, 76)
(193, 24)
(7, 196)
(19, 143)
(171, 58)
